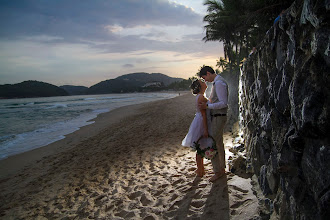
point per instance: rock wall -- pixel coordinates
(285, 111)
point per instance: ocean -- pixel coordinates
(30, 123)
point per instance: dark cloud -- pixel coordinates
(191, 44)
(142, 60)
(128, 65)
(73, 20)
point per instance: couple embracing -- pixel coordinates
(209, 121)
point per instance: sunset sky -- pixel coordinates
(81, 42)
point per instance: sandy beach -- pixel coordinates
(129, 164)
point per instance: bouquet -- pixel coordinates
(209, 152)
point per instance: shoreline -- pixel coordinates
(42, 133)
(130, 166)
(161, 91)
(16, 162)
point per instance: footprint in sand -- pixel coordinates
(176, 175)
(177, 182)
(146, 199)
(150, 218)
(186, 189)
(191, 169)
(240, 203)
(197, 203)
(191, 162)
(164, 162)
(157, 193)
(134, 195)
(125, 214)
(239, 189)
(238, 196)
(164, 185)
(199, 194)
(202, 185)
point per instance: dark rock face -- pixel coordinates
(285, 106)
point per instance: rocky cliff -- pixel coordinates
(285, 110)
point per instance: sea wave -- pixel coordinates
(19, 143)
(36, 122)
(57, 105)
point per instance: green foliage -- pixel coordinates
(240, 25)
(222, 63)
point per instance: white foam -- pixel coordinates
(57, 105)
(44, 136)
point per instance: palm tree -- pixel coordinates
(224, 24)
(240, 24)
(222, 63)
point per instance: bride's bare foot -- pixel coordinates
(200, 173)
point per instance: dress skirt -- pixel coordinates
(196, 130)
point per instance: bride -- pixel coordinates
(200, 126)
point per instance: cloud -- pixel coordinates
(189, 44)
(76, 19)
(97, 40)
(113, 26)
(128, 65)
(142, 60)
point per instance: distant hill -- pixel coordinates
(113, 86)
(134, 82)
(149, 77)
(74, 90)
(29, 89)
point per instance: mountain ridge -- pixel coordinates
(132, 82)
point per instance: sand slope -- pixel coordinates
(132, 168)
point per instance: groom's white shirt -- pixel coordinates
(219, 94)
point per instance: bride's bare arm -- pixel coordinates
(202, 99)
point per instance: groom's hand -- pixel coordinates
(202, 105)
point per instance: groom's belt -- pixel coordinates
(216, 115)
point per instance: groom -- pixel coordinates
(218, 108)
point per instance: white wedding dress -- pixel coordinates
(196, 130)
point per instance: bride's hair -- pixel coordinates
(195, 87)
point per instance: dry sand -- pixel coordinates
(129, 164)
